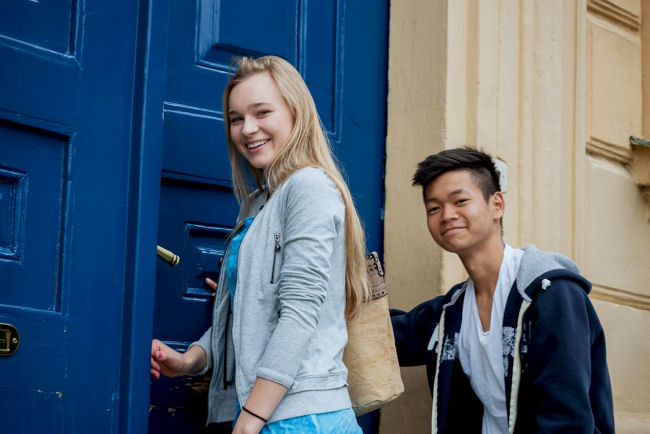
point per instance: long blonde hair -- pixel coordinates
(307, 146)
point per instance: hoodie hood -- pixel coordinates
(538, 269)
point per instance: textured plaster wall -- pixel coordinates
(416, 96)
(645, 36)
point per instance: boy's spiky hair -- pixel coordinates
(478, 163)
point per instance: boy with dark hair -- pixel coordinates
(518, 346)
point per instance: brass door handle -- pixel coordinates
(167, 256)
(9, 339)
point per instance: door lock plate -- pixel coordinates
(9, 339)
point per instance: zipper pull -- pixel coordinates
(276, 237)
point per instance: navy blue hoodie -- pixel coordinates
(556, 377)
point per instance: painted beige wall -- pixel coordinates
(553, 88)
(415, 129)
(616, 237)
(645, 59)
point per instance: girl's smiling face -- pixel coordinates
(260, 119)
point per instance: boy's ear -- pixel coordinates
(498, 204)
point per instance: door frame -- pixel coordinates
(142, 222)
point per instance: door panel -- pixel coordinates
(65, 112)
(202, 216)
(36, 173)
(51, 26)
(340, 49)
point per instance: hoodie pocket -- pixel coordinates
(276, 253)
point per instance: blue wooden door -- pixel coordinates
(340, 49)
(66, 95)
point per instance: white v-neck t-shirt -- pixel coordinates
(481, 352)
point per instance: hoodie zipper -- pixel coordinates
(276, 238)
(225, 350)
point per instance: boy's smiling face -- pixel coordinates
(459, 218)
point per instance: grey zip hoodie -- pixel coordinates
(288, 322)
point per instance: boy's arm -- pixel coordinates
(559, 359)
(413, 331)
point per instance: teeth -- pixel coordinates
(256, 144)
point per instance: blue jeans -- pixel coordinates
(335, 422)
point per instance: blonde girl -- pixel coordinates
(293, 273)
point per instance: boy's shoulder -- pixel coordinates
(539, 268)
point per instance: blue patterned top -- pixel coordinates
(231, 265)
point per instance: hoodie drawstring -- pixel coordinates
(434, 407)
(516, 369)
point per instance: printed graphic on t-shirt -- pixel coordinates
(509, 335)
(449, 348)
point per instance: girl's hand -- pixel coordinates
(212, 285)
(166, 361)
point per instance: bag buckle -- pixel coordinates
(375, 263)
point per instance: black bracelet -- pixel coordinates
(253, 414)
